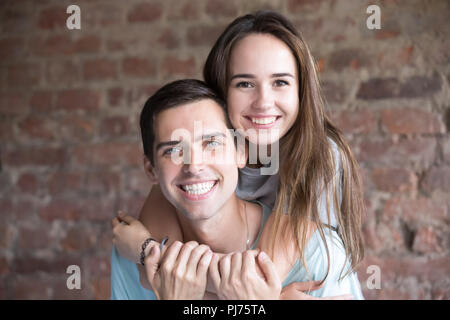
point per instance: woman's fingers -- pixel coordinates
(269, 270)
(184, 255)
(170, 257)
(214, 270)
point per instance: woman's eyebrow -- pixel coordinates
(250, 76)
(243, 75)
(284, 74)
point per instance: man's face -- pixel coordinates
(195, 158)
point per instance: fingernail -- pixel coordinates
(263, 255)
(151, 251)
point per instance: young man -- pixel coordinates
(190, 152)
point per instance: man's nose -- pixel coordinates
(194, 164)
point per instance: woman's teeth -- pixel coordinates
(267, 120)
(198, 188)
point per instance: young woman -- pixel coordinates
(264, 70)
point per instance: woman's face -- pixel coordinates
(263, 88)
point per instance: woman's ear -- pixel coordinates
(150, 171)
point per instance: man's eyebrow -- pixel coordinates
(166, 143)
(250, 76)
(211, 135)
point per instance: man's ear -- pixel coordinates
(150, 171)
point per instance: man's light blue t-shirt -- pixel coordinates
(125, 284)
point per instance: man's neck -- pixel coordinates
(224, 232)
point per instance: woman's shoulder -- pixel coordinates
(280, 242)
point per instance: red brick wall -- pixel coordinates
(70, 147)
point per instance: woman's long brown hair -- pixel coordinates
(312, 171)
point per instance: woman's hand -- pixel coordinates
(236, 276)
(182, 273)
(128, 236)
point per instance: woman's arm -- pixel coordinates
(158, 219)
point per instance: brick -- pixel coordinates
(102, 288)
(426, 240)
(24, 287)
(78, 99)
(55, 264)
(28, 183)
(54, 45)
(87, 44)
(333, 92)
(45, 156)
(178, 66)
(23, 74)
(295, 6)
(79, 238)
(35, 237)
(446, 150)
(13, 103)
(184, 10)
(115, 96)
(16, 19)
(205, 35)
(12, 48)
(116, 126)
(409, 121)
(62, 72)
(348, 58)
(108, 154)
(62, 182)
(355, 121)
(218, 8)
(394, 180)
(169, 39)
(413, 87)
(7, 236)
(437, 178)
(98, 265)
(99, 210)
(53, 18)
(78, 128)
(42, 101)
(145, 12)
(138, 67)
(4, 266)
(420, 210)
(101, 182)
(99, 69)
(103, 15)
(136, 181)
(37, 128)
(418, 153)
(61, 209)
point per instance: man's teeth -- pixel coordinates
(267, 120)
(198, 188)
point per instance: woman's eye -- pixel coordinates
(281, 83)
(244, 84)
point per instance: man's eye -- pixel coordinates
(172, 150)
(280, 83)
(244, 84)
(212, 144)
